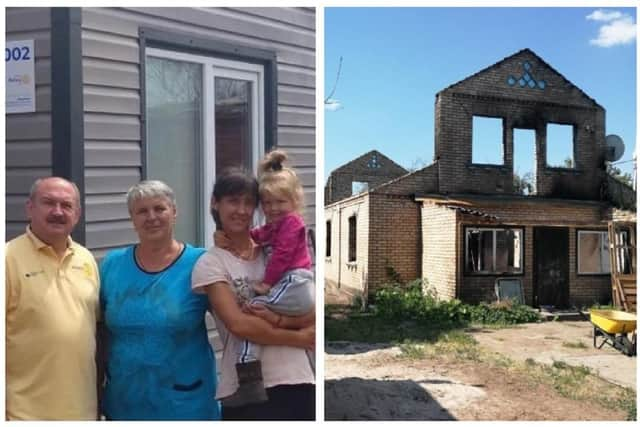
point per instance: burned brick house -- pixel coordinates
(460, 224)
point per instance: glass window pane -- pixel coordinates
(516, 264)
(508, 257)
(174, 133)
(479, 250)
(486, 250)
(473, 250)
(605, 261)
(502, 251)
(233, 123)
(590, 253)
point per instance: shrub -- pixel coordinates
(503, 313)
(394, 302)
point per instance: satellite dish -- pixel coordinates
(614, 148)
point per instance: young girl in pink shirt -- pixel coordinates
(285, 235)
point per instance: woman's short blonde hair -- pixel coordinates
(149, 188)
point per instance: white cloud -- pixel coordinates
(605, 15)
(619, 28)
(332, 104)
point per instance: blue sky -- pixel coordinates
(396, 59)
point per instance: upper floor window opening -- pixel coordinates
(559, 146)
(487, 141)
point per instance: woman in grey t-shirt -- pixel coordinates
(227, 278)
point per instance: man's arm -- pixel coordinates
(10, 283)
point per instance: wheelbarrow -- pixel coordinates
(614, 327)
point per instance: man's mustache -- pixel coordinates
(56, 219)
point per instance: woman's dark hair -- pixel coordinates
(233, 181)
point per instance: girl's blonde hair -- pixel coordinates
(276, 179)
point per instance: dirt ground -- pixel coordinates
(569, 342)
(365, 381)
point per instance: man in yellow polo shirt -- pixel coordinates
(52, 293)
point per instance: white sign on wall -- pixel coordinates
(20, 76)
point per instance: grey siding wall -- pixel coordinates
(28, 135)
(112, 97)
(111, 64)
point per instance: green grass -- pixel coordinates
(626, 401)
(350, 324)
(412, 350)
(579, 383)
(574, 382)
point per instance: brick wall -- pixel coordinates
(339, 184)
(439, 243)
(488, 94)
(328, 197)
(583, 289)
(394, 239)
(421, 181)
(389, 235)
(349, 276)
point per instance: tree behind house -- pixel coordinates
(615, 172)
(523, 184)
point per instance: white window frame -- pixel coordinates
(493, 267)
(604, 243)
(213, 67)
